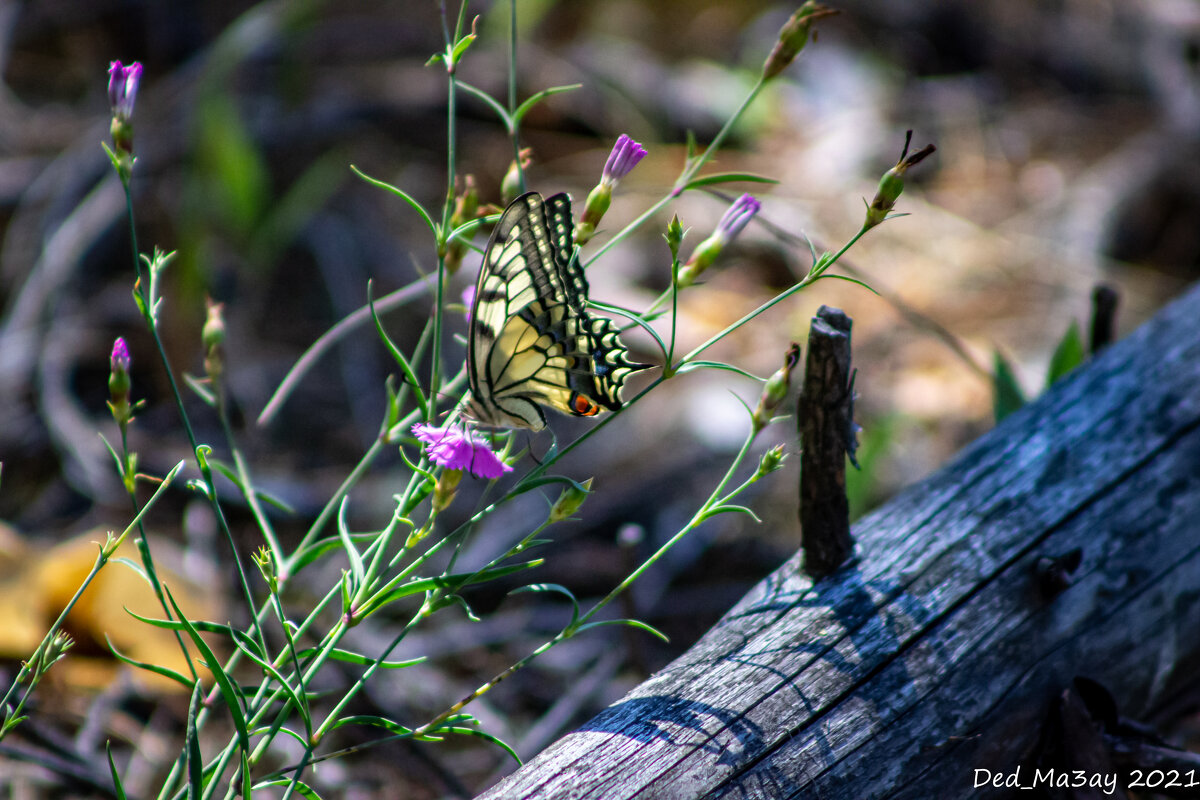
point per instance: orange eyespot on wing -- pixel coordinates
(582, 406)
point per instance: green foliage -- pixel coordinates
(1007, 396)
(1068, 355)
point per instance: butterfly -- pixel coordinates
(532, 342)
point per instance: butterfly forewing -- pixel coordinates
(531, 341)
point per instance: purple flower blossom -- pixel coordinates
(454, 447)
(122, 88)
(737, 217)
(625, 155)
(120, 360)
(468, 298)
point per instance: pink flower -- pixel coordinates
(625, 155)
(455, 447)
(119, 360)
(122, 88)
(737, 216)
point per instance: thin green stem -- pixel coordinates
(695, 521)
(148, 313)
(515, 127)
(812, 277)
(690, 170)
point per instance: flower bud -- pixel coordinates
(510, 187)
(569, 501)
(266, 567)
(674, 236)
(770, 461)
(122, 93)
(736, 217)
(119, 384)
(54, 650)
(793, 36)
(212, 335)
(445, 489)
(892, 183)
(775, 389)
(625, 155)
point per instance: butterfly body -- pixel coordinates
(532, 342)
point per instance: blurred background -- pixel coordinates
(1067, 158)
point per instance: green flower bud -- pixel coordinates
(445, 489)
(674, 236)
(793, 36)
(891, 185)
(771, 461)
(510, 187)
(598, 201)
(55, 649)
(775, 389)
(212, 335)
(266, 567)
(569, 501)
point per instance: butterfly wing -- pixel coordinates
(532, 342)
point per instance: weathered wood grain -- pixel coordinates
(936, 653)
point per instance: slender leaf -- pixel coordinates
(136, 567)
(848, 279)
(523, 109)
(636, 319)
(452, 583)
(179, 678)
(486, 737)
(201, 389)
(364, 661)
(266, 729)
(553, 587)
(491, 102)
(250, 648)
(726, 177)
(1007, 396)
(228, 689)
(410, 378)
(323, 546)
(1068, 355)
(433, 228)
(375, 722)
(112, 768)
(195, 762)
(694, 365)
(633, 623)
(356, 563)
(303, 788)
(730, 509)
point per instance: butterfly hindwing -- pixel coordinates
(532, 341)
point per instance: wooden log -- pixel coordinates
(940, 652)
